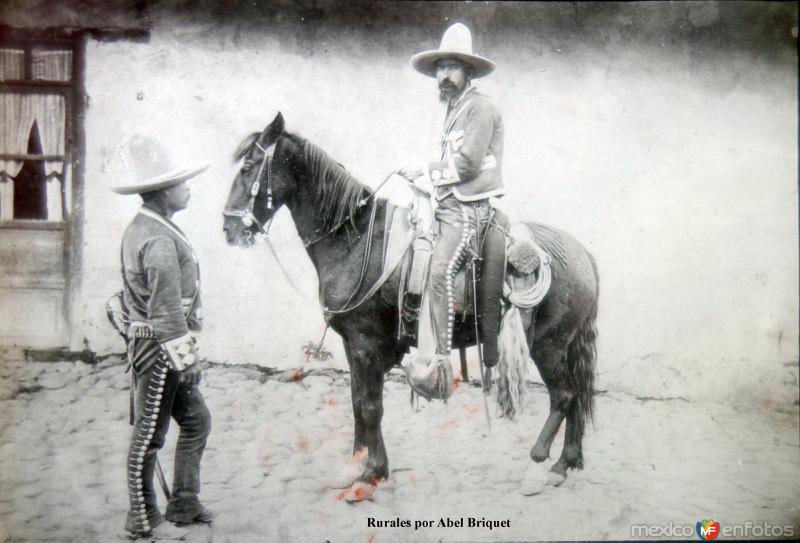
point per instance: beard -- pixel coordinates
(449, 91)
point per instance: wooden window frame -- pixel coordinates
(66, 89)
(74, 93)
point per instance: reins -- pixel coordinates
(349, 217)
(347, 307)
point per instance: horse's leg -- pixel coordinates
(355, 466)
(359, 432)
(369, 463)
(550, 362)
(369, 396)
(572, 452)
(580, 364)
(367, 357)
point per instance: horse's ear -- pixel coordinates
(275, 128)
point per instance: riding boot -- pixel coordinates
(490, 291)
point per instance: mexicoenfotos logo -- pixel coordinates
(707, 529)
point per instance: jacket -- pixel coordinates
(161, 277)
(472, 149)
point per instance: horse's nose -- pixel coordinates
(228, 234)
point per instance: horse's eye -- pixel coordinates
(247, 165)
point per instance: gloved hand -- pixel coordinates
(182, 352)
(192, 374)
(418, 176)
(410, 173)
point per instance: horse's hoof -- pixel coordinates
(352, 470)
(347, 476)
(359, 492)
(535, 479)
(555, 479)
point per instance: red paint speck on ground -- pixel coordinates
(357, 492)
(342, 494)
(297, 376)
(371, 538)
(303, 442)
(452, 422)
(331, 401)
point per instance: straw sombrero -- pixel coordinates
(149, 167)
(457, 44)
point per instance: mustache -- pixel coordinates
(446, 84)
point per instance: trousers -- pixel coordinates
(459, 223)
(160, 396)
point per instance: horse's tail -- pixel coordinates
(581, 359)
(512, 368)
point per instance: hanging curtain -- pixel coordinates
(19, 111)
(6, 200)
(54, 200)
(52, 65)
(16, 110)
(12, 64)
(49, 111)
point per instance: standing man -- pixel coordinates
(467, 174)
(161, 289)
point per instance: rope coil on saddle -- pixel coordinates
(526, 299)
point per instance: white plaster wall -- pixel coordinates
(677, 172)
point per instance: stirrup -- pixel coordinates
(435, 382)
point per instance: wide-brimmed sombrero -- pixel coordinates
(149, 167)
(457, 44)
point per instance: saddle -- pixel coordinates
(512, 271)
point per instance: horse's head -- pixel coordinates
(261, 186)
(280, 168)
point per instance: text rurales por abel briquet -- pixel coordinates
(442, 522)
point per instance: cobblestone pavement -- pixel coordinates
(278, 440)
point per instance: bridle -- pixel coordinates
(246, 215)
(248, 219)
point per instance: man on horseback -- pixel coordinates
(467, 174)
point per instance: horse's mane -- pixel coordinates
(246, 146)
(339, 194)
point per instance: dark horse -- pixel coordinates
(333, 212)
